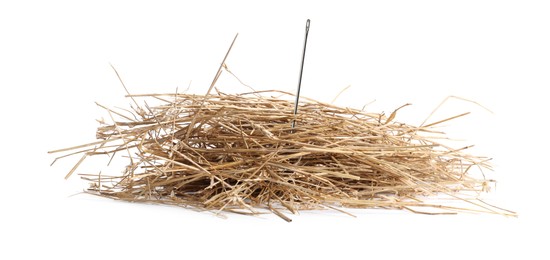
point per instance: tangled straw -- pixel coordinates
(239, 153)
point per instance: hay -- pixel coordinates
(238, 153)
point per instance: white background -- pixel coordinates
(54, 64)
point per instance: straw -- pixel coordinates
(239, 153)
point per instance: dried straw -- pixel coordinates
(239, 153)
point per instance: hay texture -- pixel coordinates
(239, 153)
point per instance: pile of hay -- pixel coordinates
(239, 153)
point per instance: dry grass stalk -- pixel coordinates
(239, 153)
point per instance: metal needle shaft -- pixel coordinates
(301, 72)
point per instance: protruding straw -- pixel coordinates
(218, 73)
(301, 72)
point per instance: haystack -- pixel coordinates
(239, 153)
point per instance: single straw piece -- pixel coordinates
(301, 72)
(218, 73)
